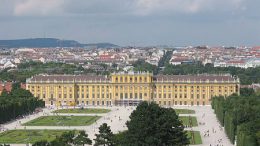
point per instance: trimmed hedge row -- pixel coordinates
(17, 103)
(240, 116)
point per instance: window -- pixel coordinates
(140, 96)
(121, 96)
(65, 95)
(164, 95)
(82, 95)
(198, 96)
(70, 95)
(93, 95)
(169, 95)
(203, 96)
(126, 95)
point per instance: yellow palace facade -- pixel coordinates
(131, 88)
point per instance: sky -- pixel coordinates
(134, 22)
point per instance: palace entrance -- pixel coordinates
(127, 102)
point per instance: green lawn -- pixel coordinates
(62, 121)
(29, 136)
(184, 111)
(85, 110)
(196, 139)
(186, 120)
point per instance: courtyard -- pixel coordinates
(116, 119)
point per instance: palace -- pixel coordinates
(131, 88)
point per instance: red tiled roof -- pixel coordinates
(194, 78)
(236, 61)
(6, 85)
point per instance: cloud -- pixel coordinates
(37, 7)
(147, 7)
(121, 7)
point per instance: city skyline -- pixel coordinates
(137, 22)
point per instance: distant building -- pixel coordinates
(7, 86)
(131, 88)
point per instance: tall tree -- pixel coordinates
(41, 143)
(153, 125)
(81, 139)
(105, 136)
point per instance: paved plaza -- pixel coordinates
(210, 130)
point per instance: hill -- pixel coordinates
(49, 42)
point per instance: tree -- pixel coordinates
(105, 136)
(17, 103)
(247, 91)
(41, 143)
(153, 125)
(67, 137)
(81, 139)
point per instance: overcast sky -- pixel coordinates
(134, 22)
